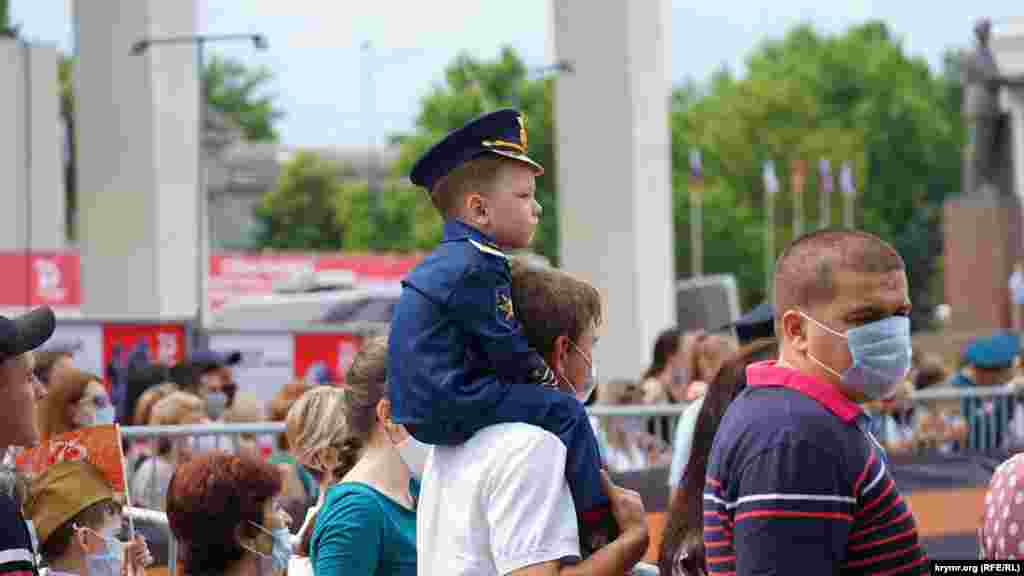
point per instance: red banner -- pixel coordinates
(53, 278)
(50, 278)
(242, 274)
(165, 343)
(333, 351)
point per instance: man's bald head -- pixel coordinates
(804, 272)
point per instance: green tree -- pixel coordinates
(6, 28)
(850, 97)
(67, 107)
(318, 205)
(474, 86)
(301, 213)
(240, 92)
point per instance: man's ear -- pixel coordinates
(793, 331)
(559, 351)
(384, 410)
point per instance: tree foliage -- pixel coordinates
(240, 92)
(317, 205)
(851, 97)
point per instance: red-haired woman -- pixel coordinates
(223, 510)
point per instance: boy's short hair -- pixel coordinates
(550, 303)
(477, 175)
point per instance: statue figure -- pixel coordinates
(982, 83)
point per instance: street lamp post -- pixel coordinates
(771, 189)
(202, 210)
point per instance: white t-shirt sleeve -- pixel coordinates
(530, 511)
(683, 441)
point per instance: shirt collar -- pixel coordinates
(455, 229)
(770, 373)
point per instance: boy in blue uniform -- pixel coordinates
(457, 359)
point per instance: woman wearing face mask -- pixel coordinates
(78, 524)
(74, 400)
(366, 523)
(223, 510)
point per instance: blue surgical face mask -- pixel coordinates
(281, 551)
(107, 562)
(881, 353)
(584, 392)
(104, 415)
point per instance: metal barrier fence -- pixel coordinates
(993, 419)
(159, 518)
(956, 420)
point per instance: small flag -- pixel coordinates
(846, 185)
(825, 174)
(799, 172)
(771, 181)
(696, 170)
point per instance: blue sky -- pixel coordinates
(315, 44)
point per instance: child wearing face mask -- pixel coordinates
(78, 523)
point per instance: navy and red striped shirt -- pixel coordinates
(797, 486)
(16, 555)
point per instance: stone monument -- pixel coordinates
(982, 226)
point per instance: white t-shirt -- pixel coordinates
(495, 504)
(1017, 287)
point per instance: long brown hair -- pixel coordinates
(341, 418)
(67, 387)
(686, 515)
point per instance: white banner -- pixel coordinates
(267, 360)
(84, 340)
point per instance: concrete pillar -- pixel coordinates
(137, 158)
(32, 201)
(614, 169)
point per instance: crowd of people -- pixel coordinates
(460, 443)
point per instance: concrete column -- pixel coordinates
(614, 169)
(31, 177)
(13, 143)
(137, 158)
(46, 160)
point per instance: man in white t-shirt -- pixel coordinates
(499, 503)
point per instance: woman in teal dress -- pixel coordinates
(365, 523)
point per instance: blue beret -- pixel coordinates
(994, 351)
(754, 325)
(502, 132)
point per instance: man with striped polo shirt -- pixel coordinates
(796, 483)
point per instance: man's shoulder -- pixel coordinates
(516, 437)
(765, 416)
(452, 261)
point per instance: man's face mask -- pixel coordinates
(584, 392)
(881, 352)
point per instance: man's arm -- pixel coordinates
(792, 515)
(481, 304)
